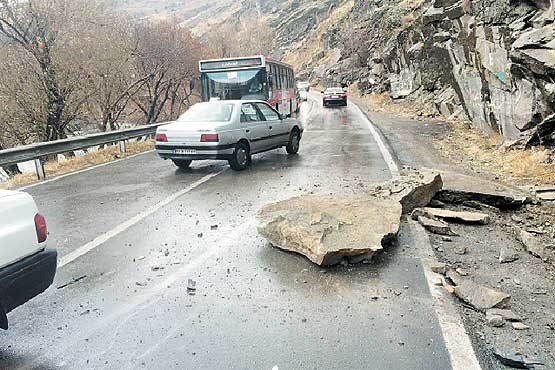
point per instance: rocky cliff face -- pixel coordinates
(492, 61)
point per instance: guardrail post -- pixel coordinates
(122, 146)
(39, 168)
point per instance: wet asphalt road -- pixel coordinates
(255, 307)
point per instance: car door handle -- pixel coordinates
(247, 131)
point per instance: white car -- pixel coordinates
(231, 130)
(303, 94)
(27, 266)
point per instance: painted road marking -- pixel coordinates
(148, 297)
(457, 341)
(456, 338)
(386, 154)
(132, 221)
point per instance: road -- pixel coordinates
(134, 232)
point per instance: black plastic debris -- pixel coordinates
(513, 359)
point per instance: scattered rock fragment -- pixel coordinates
(415, 188)
(72, 281)
(536, 247)
(453, 216)
(506, 314)
(520, 326)
(460, 250)
(435, 226)
(477, 296)
(439, 268)
(508, 254)
(461, 272)
(495, 321)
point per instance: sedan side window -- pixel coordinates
(268, 112)
(249, 113)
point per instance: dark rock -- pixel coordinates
(543, 134)
(433, 15)
(501, 200)
(511, 358)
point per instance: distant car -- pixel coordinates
(27, 266)
(231, 130)
(303, 94)
(334, 96)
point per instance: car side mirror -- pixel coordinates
(321, 92)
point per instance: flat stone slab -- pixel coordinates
(435, 226)
(328, 228)
(415, 188)
(459, 188)
(536, 246)
(455, 216)
(480, 297)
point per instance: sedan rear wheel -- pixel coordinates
(182, 163)
(294, 143)
(241, 157)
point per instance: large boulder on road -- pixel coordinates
(329, 228)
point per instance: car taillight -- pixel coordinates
(161, 137)
(209, 138)
(40, 226)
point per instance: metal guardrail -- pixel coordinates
(38, 150)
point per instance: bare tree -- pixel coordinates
(167, 56)
(41, 29)
(110, 71)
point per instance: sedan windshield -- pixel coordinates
(208, 112)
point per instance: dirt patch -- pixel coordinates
(55, 168)
(482, 153)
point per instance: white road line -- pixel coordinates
(22, 188)
(132, 221)
(455, 336)
(386, 154)
(148, 297)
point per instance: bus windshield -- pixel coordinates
(236, 85)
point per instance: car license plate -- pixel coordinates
(334, 97)
(185, 151)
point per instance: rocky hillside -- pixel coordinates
(291, 20)
(491, 61)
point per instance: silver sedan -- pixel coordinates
(231, 130)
